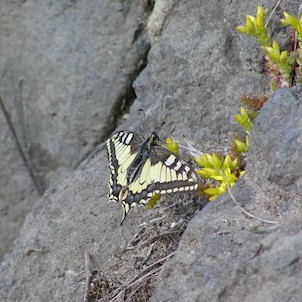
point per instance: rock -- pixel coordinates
(160, 14)
(226, 256)
(65, 69)
(194, 76)
(277, 141)
(48, 258)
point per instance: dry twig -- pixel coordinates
(152, 221)
(19, 148)
(140, 277)
(156, 237)
(272, 13)
(88, 272)
(243, 210)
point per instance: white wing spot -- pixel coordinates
(193, 188)
(124, 137)
(178, 165)
(169, 191)
(143, 201)
(171, 159)
(129, 138)
(187, 169)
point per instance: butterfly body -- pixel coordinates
(141, 168)
(141, 157)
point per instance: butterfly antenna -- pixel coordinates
(106, 193)
(159, 127)
(145, 120)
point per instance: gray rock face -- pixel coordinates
(222, 257)
(197, 53)
(76, 68)
(65, 69)
(225, 256)
(67, 220)
(280, 140)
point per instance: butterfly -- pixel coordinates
(141, 168)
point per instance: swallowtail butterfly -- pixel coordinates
(141, 168)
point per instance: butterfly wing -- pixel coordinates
(122, 147)
(171, 173)
(162, 173)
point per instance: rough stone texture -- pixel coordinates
(225, 256)
(65, 68)
(48, 262)
(280, 140)
(194, 75)
(158, 18)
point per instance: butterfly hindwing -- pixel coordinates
(162, 173)
(171, 173)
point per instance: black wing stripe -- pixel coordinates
(112, 194)
(160, 188)
(163, 172)
(112, 155)
(117, 155)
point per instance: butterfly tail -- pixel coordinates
(126, 209)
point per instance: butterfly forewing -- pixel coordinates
(122, 148)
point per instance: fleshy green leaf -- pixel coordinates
(207, 172)
(244, 120)
(151, 204)
(242, 29)
(290, 21)
(216, 161)
(172, 145)
(240, 146)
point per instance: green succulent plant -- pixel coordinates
(172, 145)
(255, 26)
(226, 170)
(244, 120)
(223, 170)
(295, 25)
(285, 68)
(280, 64)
